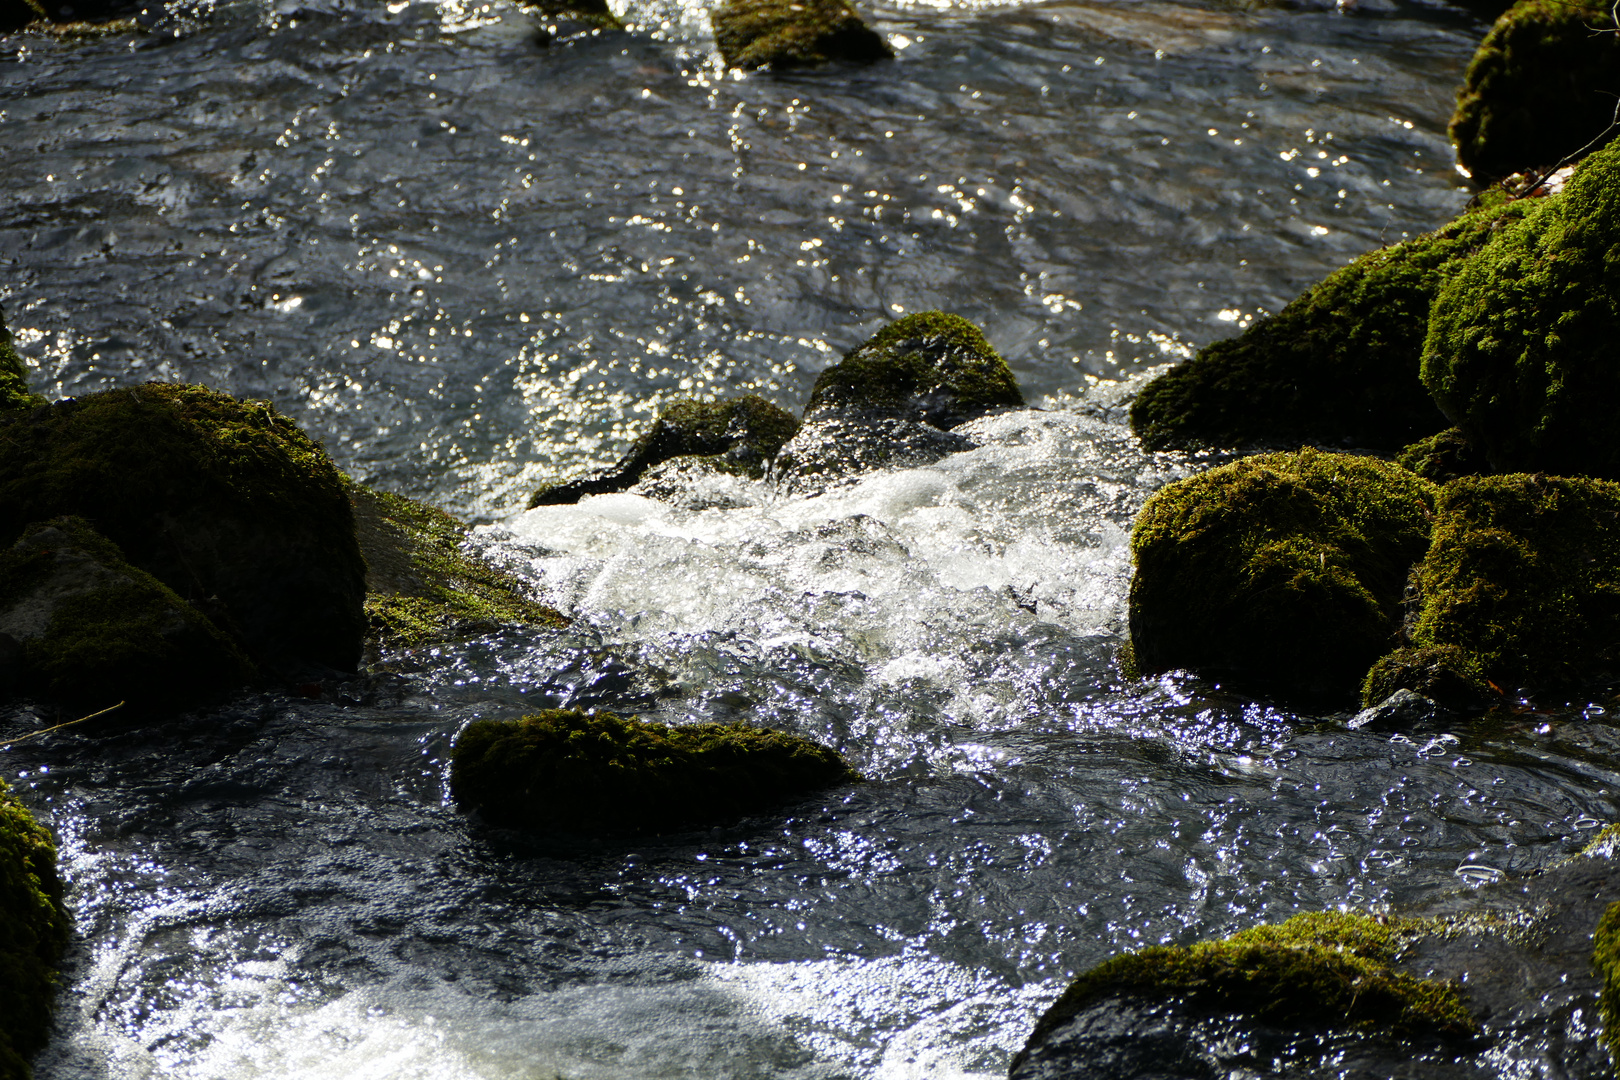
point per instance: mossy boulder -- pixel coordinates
(224, 501)
(13, 375)
(1523, 346)
(1317, 970)
(1339, 366)
(34, 928)
(598, 773)
(1606, 959)
(743, 433)
(1443, 456)
(1521, 584)
(1282, 572)
(1447, 675)
(422, 582)
(794, 33)
(1542, 86)
(572, 18)
(95, 630)
(930, 367)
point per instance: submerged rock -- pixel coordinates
(1317, 970)
(1338, 366)
(1282, 572)
(794, 33)
(96, 631)
(1542, 86)
(835, 448)
(34, 928)
(1523, 347)
(739, 435)
(224, 501)
(1521, 584)
(599, 773)
(423, 584)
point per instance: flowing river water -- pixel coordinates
(469, 264)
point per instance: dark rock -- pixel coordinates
(1401, 710)
(95, 630)
(1283, 572)
(1523, 348)
(216, 498)
(597, 773)
(742, 433)
(794, 33)
(1542, 87)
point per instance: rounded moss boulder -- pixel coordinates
(1316, 971)
(1523, 347)
(794, 33)
(741, 434)
(1339, 366)
(96, 631)
(931, 367)
(226, 502)
(34, 927)
(1542, 87)
(1283, 573)
(1521, 584)
(1606, 960)
(597, 773)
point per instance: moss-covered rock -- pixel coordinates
(1320, 969)
(743, 432)
(930, 367)
(1606, 959)
(1339, 366)
(794, 33)
(569, 18)
(423, 584)
(1541, 87)
(1521, 582)
(226, 502)
(96, 631)
(1523, 348)
(599, 773)
(34, 927)
(1445, 674)
(1443, 456)
(13, 374)
(1282, 572)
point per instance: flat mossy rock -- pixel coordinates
(13, 375)
(1283, 572)
(1523, 578)
(930, 367)
(96, 631)
(743, 432)
(423, 584)
(1339, 366)
(1541, 87)
(1523, 348)
(576, 772)
(794, 33)
(1317, 970)
(34, 928)
(224, 501)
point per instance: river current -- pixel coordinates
(469, 264)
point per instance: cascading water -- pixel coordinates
(469, 264)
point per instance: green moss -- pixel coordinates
(226, 502)
(793, 33)
(1542, 86)
(1319, 969)
(13, 375)
(422, 584)
(741, 433)
(930, 367)
(1523, 348)
(1442, 673)
(1338, 366)
(1523, 576)
(96, 631)
(593, 13)
(600, 773)
(1282, 572)
(1443, 456)
(1606, 959)
(34, 927)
